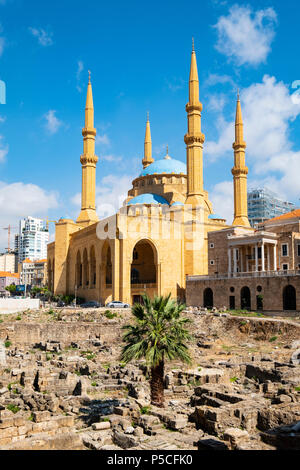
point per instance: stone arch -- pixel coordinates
(78, 269)
(144, 269)
(85, 269)
(245, 298)
(106, 262)
(93, 271)
(208, 298)
(289, 297)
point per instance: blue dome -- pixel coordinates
(148, 198)
(215, 216)
(166, 165)
(177, 203)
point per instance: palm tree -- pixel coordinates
(157, 334)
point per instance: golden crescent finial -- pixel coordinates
(89, 76)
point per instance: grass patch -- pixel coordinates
(273, 339)
(13, 408)
(110, 315)
(19, 318)
(297, 389)
(145, 410)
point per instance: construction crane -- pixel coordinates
(8, 236)
(47, 222)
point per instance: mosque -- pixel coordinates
(160, 235)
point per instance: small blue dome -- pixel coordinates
(215, 216)
(148, 198)
(166, 165)
(177, 203)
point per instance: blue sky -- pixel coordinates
(139, 56)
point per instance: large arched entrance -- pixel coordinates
(289, 298)
(143, 272)
(245, 298)
(208, 298)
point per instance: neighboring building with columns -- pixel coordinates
(253, 269)
(160, 234)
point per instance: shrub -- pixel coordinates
(13, 408)
(273, 339)
(7, 344)
(145, 410)
(94, 384)
(110, 314)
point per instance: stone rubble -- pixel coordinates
(70, 390)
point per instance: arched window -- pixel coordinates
(245, 298)
(208, 298)
(289, 298)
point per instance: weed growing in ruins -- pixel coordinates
(297, 389)
(13, 408)
(30, 418)
(233, 379)
(110, 315)
(94, 384)
(19, 317)
(7, 344)
(273, 339)
(145, 410)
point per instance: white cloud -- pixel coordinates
(174, 84)
(3, 149)
(80, 68)
(18, 200)
(246, 35)
(268, 109)
(217, 102)
(44, 38)
(214, 79)
(222, 198)
(111, 158)
(102, 140)
(110, 194)
(52, 122)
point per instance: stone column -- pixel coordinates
(268, 257)
(256, 257)
(262, 256)
(234, 260)
(229, 261)
(241, 259)
(275, 258)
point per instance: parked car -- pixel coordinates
(117, 304)
(91, 304)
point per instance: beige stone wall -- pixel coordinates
(272, 291)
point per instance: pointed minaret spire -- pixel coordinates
(239, 171)
(147, 160)
(88, 161)
(194, 139)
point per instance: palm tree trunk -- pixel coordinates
(157, 385)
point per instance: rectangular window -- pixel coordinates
(284, 249)
(285, 267)
(298, 249)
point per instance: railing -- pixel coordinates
(139, 281)
(252, 274)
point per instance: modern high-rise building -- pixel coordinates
(263, 204)
(32, 239)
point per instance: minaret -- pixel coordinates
(239, 171)
(147, 160)
(194, 139)
(88, 161)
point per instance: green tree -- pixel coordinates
(158, 334)
(12, 288)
